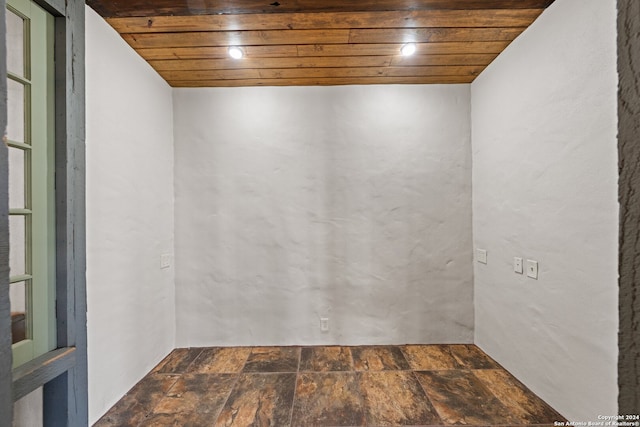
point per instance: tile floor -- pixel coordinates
(421, 385)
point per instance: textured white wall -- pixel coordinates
(301, 202)
(545, 188)
(131, 302)
(27, 412)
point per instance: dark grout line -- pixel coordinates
(148, 414)
(295, 388)
(231, 389)
(415, 375)
(194, 359)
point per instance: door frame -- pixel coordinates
(63, 371)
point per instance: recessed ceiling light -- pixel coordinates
(408, 49)
(235, 52)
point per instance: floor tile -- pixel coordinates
(138, 402)
(179, 420)
(429, 357)
(273, 359)
(259, 400)
(328, 399)
(520, 401)
(177, 361)
(395, 398)
(220, 360)
(470, 356)
(378, 358)
(199, 393)
(325, 359)
(461, 398)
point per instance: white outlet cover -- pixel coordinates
(324, 324)
(532, 269)
(517, 265)
(481, 255)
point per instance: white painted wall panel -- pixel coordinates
(545, 188)
(303, 202)
(131, 301)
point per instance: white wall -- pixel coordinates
(28, 411)
(347, 202)
(545, 188)
(131, 301)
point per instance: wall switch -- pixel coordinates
(324, 324)
(481, 256)
(165, 261)
(517, 265)
(532, 269)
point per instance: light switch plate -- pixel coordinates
(517, 265)
(165, 261)
(481, 255)
(532, 269)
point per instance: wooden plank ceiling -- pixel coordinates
(318, 42)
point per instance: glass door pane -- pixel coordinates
(16, 110)
(18, 245)
(19, 298)
(15, 44)
(17, 183)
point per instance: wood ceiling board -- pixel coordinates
(284, 37)
(290, 73)
(425, 60)
(231, 74)
(235, 38)
(325, 81)
(373, 49)
(218, 52)
(130, 8)
(338, 20)
(221, 64)
(195, 66)
(426, 35)
(283, 51)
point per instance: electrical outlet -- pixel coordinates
(517, 265)
(165, 260)
(532, 269)
(324, 324)
(481, 255)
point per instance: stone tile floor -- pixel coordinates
(423, 385)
